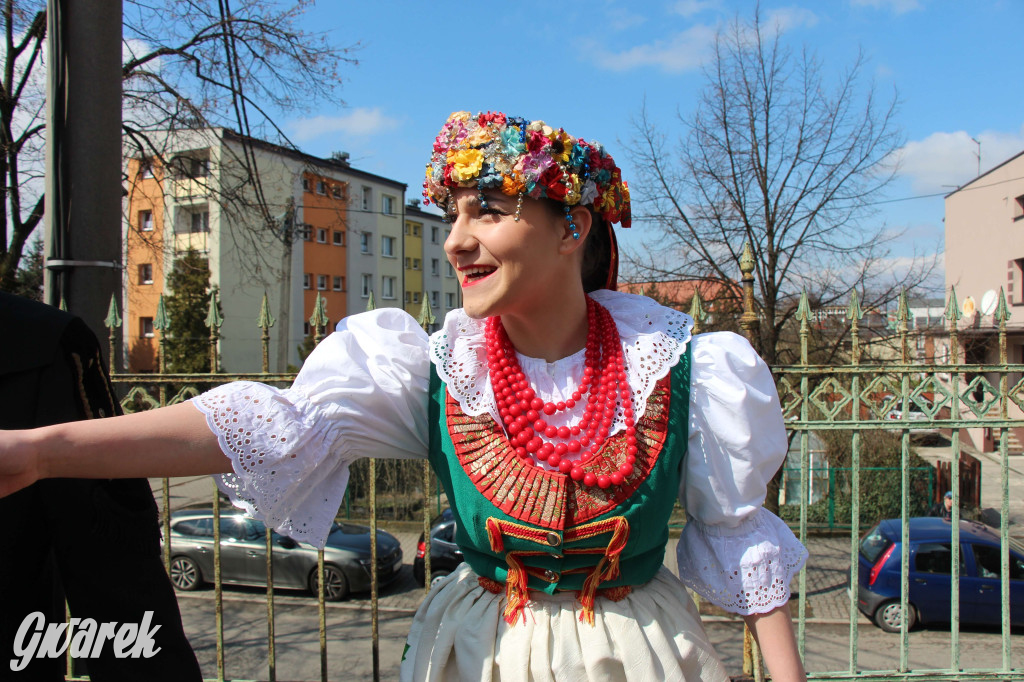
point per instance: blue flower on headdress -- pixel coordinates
(511, 143)
(578, 155)
(602, 176)
(489, 177)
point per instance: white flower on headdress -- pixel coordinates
(589, 193)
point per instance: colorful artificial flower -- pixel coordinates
(492, 150)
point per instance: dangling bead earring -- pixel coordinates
(519, 205)
(480, 196)
(572, 225)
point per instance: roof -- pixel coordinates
(680, 292)
(990, 170)
(335, 164)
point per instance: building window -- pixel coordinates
(367, 198)
(449, 301)
(367, 283)
(434, 295)
(339, 283)
(336, 191)
(305, 183)
(146, 273)
(387, 246)
(415, 297)
(146, 169)
(146, 221)
(450, 271)
(307, 280)
(433, 235)
(387, 206)
(1018, 207)
(200, 222)
(321, 187)
(364, 242)
(435, 266)
(321, 282)
(306, 232)
(387, 289)
(146, 327)
(408, 297)
(415, 263)
(339, 238)
(321, 235)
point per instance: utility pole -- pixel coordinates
(82, 224)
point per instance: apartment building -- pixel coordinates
(344, 226)
(427, 270)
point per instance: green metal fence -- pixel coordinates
(844, 403)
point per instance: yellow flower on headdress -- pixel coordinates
(572, 196)
(465, 163)
(460, 116)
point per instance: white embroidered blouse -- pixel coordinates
(363, 393)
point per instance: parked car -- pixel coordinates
(243, 552)
(445, 555)
(878, 591)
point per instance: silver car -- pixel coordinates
(243, 552)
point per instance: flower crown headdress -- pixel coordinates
(520, 157)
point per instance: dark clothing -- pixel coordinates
(939, 509)
(95, 541)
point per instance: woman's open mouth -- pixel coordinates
(474, 275)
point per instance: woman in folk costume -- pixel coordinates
(563, 418)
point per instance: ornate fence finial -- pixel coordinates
(697, 311)
(370, 305)
(902, 319)
(1002, 313)
(318, 320)
(748, 320)
(804, 315)
(854, 314)
(63, 305)
(427, 316)
(952, 313)
(213, 320)
(162, 321)
(265, 322)
(112, 322)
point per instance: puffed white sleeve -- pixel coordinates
(732, 551)
(361, 393)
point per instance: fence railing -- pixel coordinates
(845, 406)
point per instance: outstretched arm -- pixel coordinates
(171, 441)
(774, 634)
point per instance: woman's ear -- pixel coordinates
(582, 220)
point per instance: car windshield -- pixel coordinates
(873, 544)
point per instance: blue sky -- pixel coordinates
(956, 67)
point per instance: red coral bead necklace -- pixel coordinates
(604, 384)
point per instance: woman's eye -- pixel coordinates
(491, 211)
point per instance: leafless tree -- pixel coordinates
(188, 65)
(776, 157)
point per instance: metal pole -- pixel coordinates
(82, 224)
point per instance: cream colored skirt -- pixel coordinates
(653, 634)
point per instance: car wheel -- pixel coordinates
(436, 577)
(185, 574)
(889, 616)
(335, 583)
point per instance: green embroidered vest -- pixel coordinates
(541, 530)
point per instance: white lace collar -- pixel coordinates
(653, 337)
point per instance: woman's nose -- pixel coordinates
(459, 237)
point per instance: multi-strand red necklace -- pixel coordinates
(604, 383)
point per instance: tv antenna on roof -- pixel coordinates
(977, 154)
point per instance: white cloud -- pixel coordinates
(943, 160)
(688, 8)
(620, 18)
(894, 6)
(682, 52)
(785, 19)
(360, 121)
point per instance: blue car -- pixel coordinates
(878, 594)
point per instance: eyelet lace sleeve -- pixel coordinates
(361, 393)
(732, 551)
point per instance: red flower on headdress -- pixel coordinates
(536, 140)
(491, 117)
(448, 175)
(551, 180)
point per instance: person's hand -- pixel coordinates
(19, 466)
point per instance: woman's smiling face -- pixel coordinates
(506, 267)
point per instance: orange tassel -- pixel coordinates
(516, 593)
(494, 535)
